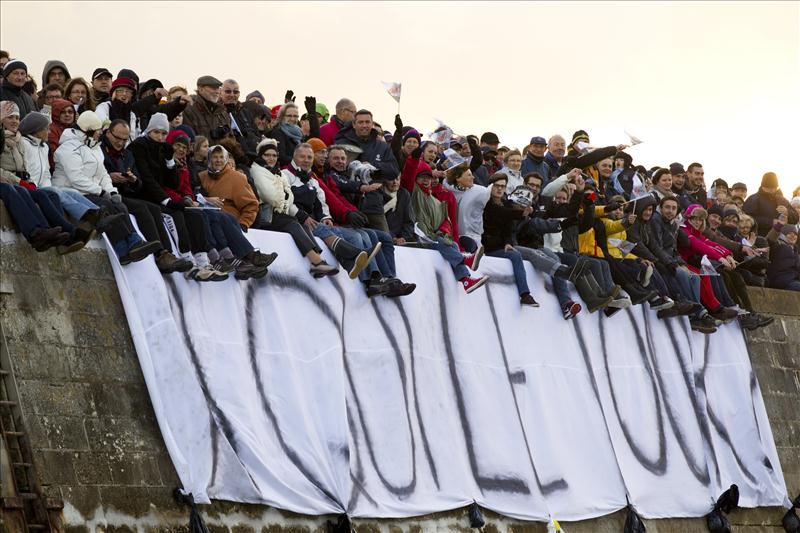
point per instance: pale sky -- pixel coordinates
(714, 82)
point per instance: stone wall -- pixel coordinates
(97, 446)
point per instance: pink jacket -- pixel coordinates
(699, 244)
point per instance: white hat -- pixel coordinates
(89, 121)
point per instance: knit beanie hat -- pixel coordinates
(412, 133)
(317, 144)
(770, 180)
(158, 121)
(579, 135)
(14, 107)
(177, 136)
(716, 209)
(33, 122)
(128, 73)
(13, 65)
(731, 213)
(185, 128)
(123, 82)
(256, 93)
(788, 228)
(266, 144)
(89, 121)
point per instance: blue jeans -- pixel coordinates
(451, 254)
(547, 261)
(384, 258)
(23, 209)
(518, 265)
(73, 202)
(224, 232)
(721, 292)
(51, 208)
(792, 286)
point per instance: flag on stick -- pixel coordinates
(394, 89)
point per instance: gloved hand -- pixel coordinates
(398, 123)
(612, 206)
(417, 153)
(289, 97)
(27, 185)
(357, 219)
(220, 131)
(569, 222)
(310, 105)
(177, 206)
(116, 197)
(168, 152)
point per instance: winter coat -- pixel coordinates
(273, 190)
(668, 237)
(79, 166)
(121, 162)
(336, 201)
(286, 145)
(56, 129)
(414, 167)
(614, 229)
(23, 100)
(400, 219)
(534, 164)
(329, 131)
(104, 113)
(761, 206)
(699, 245)
(784, 262)
(699, 197)
(207, 119)
(499, 221)
(151, 161)
(232, 187)
(375, 151)
(514, 179)
(12, 159)
(36, 153)
(309, 196)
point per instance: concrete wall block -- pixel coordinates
(91, 330)
(783, 408)
(96, 297)
(39, 361)
(55, 467)
(91, 468)
(132, 468)
(772, 333)
(105, 364)
(787, 355)
(121, 399)
(122, 434)
(29, 292)
(45, 327)
(56, 398)
(37, 431)
(777, 380)
(91, 264)
(65, 433)
(790, 464)
(85, 498)
(760, 516)
(137, 501)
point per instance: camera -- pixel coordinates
(363, 172)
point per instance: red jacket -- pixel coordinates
(337, 203)
(329, 130)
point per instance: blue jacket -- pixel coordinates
(529, 164)
(376, 152)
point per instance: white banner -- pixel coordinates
(305, 395)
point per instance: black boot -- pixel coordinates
(353, 259)
(593, 300)
(638, 293)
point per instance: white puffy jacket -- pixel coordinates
(36, 162)
(80, 167)
(273, 190)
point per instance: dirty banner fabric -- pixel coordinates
(305, 395)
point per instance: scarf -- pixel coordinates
(293, 131)
(392, 203)
(216, 173)
(273, 170)
(121, 110)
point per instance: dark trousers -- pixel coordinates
(302, 237)
(223, 231)
(23, 209)
(51, 208)
(191, 230)
(148, 218)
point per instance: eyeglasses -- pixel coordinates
(121, 139)
(229, 91)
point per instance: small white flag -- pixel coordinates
(634, 140)
(706, 268)
(442, 135)
(423, 238)
(393, 88)
(638, 188)
(625, 247)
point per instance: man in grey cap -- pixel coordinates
(206, 115)
(739, 190)
(534, 160)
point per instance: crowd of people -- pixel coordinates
(198, 171)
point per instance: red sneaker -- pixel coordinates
(473, 261)
(471, 284)
(571, 309)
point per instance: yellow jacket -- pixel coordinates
(615, 229)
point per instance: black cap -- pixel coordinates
(208, 81)
(738, 185)
(676, 168)
(100, 72)
(719, 181)
(490, 138)
(128, 73)
(488, 150)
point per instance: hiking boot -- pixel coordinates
(639, 294)
(748, 321)
(167, 263)
(226, 265)
(323, 269)
(246, 270)
(142, 249)
(261, 259)
(91, 217)
(704, 324)
(527, 299)
(660, 302)
(73, 245)
(667, 313)
(725, 314)
(473, 284)
(377, 285)
(205, 273)
(685, 308)
(45, 238)
(570, 310)
(473, 261)
(398, 288)
(589, 295)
